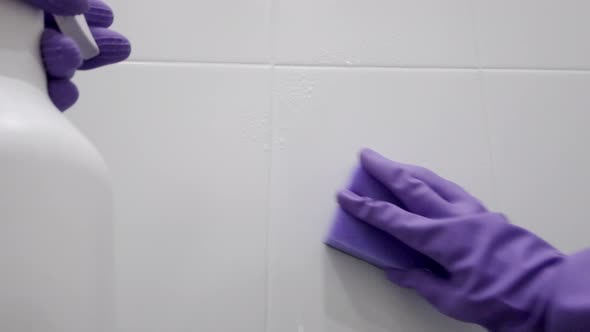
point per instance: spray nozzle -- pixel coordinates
(77, 28)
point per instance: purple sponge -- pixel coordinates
(366, 242)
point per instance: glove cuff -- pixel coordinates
(567, 307)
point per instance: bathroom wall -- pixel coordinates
(235, 121)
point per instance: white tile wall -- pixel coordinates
(540, 148)
(225, 174)
(186, 146)
(534, 33)
(376, 32)
(322, 118)
(189, 30)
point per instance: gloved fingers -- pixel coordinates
(113, 46)
(63, 93)
(383, 215)
(447, 189)
(61, 7)
(382, 169)
(462, 201)
(99, 14)
(415, 194)
(61, 56)
(433, 238)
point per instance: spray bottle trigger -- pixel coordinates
(76, 27)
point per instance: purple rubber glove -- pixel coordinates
(498, 275)
(60, 53)
(372, 245)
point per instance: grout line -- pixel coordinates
(269, 191)
(484, 105)
(434, 68)
(356, 67)
(195, 64)
(488, 124)
(272, 33)
(475, 10)
(272, 8)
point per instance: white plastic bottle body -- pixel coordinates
(56, 259)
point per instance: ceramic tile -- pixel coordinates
(534, 34)
(186, 146)
(321, 119)
(384, 33)
(196, 30)
(539, 139)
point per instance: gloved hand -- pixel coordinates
(61, 56)
(497, 275)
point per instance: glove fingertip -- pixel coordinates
(100, 14)
(375, 164)
(113, 46)
(366, 155)
(349, 201)
(63, 93)
(61, 56)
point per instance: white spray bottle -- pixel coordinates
(56, 260)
